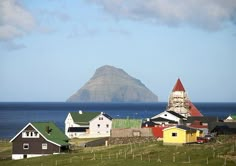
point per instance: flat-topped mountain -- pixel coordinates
(110, 84)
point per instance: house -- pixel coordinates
(204, 120)
(180, 135)
(230, 118)
(38, 139)
(168, 117)
(180, 103)
(225, 128)
(129, 128)
(87, 124)
(200, 126)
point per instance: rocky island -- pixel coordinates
(111, 84)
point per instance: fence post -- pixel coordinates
(173, 158)
(207, 161)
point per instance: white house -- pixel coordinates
(168, 117)
(87, 124)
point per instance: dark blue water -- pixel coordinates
(14, 116)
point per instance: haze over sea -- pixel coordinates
(15, 115)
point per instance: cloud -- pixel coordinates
(206, 14)
(54, 14)
(11, 45)
(15, 20)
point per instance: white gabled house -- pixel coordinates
(168, 117)
(87, 124)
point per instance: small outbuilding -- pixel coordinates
(180, 134)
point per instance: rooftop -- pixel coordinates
(53, 134)
(178, 86)
(126, 123)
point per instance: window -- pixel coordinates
(100, 118)
(98, 125)
(165, 115)
(107, 125)
(44, 146)
(30, 134)
(174, 134)
(25, 146)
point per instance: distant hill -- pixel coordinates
(110, 84)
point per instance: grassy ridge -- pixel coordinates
(222, 152)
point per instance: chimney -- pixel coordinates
(47, 129)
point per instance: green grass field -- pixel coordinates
(221, 152)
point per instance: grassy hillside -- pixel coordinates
(221, 152)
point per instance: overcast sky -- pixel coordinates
(51, 48)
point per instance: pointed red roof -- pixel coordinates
(178, 86)
(193, 111)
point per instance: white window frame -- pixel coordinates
(26, 145)
(44, 146)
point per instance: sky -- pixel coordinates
(51, 48)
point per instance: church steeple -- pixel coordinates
(178, 86)
(180, 103)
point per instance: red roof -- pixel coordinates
(193, 111)
(178, 86)
(197, 124)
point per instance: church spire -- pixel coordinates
(178, 86)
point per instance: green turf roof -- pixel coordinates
(84, 118)
(126, 123)
(233, 117)
(55, 135)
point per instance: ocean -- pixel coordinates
(15, 115)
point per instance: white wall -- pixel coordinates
(69, 123)
(167, 115)
(21, 156)
(103, 130)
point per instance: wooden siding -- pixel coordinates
(35, 145)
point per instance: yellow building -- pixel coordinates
(180, 135)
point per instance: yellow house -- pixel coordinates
(180, 135)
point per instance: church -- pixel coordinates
(180, 103)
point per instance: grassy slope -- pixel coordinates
(151, 153)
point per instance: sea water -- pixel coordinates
(15, 115)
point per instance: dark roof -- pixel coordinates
(203, 119)
(176, 114)
(185, 128)
(148, 123)
(77, 129)
(178, 86)
(223, 126)
(107, 116)
(160, 119)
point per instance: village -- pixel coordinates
(180, 124)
